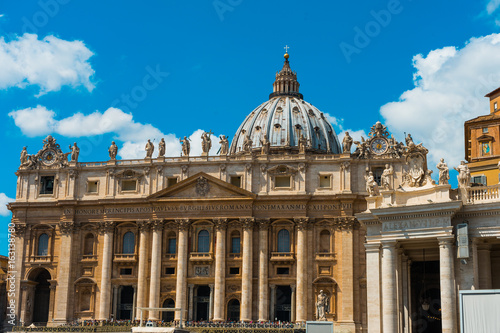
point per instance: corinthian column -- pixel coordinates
(106, 228)
(143, 263)
(182, 255)
(263, 269)
(64, 285)
(389, 315)
(220, 268)
(447, 277)
(246, 280)
(154, 289)
(300, 304)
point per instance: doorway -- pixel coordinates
(202, 301)
(126, 302)
(426, 297)
(283, 309)
(233, 310)
(170, 315)
(42, 298)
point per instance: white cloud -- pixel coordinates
(39, 121)
(4, 200)
(492, 6)
(49, 63)
(450, 84)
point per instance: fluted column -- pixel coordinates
(211, 303)
(263, 269)
(273, 301)
(154, 288)
(389, 314)
(143, 264)
(64, 283)
(246, 280)
(106, 228)
(293, 313)
(220, 268)
(191, 302)
(182, 256)
(300, 304)
(484, 264)
(373, 286)
(447, 277)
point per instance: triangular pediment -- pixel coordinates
(202, 186)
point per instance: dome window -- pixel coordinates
(243, 131)
(296, 109)
(277, 126)
(298, 126)
(257, 128)
(311, 112)
(264, 111)
(279, 109)
(316, 129)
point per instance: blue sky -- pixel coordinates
(173, 68)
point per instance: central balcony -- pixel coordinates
(282, 257)
(201, 257)
(125, 258)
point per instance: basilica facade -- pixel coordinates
(262, 231)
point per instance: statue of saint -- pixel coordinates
(247, 144)
(24, 156)
(161, 148)
(371, 184)
(409, 140)
(347, 143)
(321, 306)
(75, 151)
(150, 148)
(186, 146)
(302, 144)
(386, 177)
(463, 174)
(265, 145)
(206, 142)
(444, 172)
(113, 151)
(224, 145)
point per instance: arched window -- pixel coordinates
(283, 241)
(235, 242)
(43, 245)
(128, 243)
(324, 241)
(172, 244)
(85, 301)
(203, 241)
(88, 247)
(168, 316)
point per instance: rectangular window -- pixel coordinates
(47, 185)
(235, 245)
(236, 181)
(171, 181)
(485, 129)
(282, 181)
(479, 180)
(172, 245)
(283, 270)
(129, 185)
(377, 174)
(92, 186)
(325, 181)
(496, 106)
(234, 270)
(125, 271)
(170, 271)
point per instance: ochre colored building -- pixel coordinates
(482, 143)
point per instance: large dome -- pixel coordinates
(284, 119)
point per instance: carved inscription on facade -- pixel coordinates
(416, 224)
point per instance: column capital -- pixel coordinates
(263, 223)
(446, 241)
(247, 222)
(143, 225)
(220, 223)
(346, 223)
(183, 224)
(301, 223)
(372, 247)
(157, 225)
(293, 287)
(272, 286)
(389, 244)
(66, 227)
(211, 287)
(19, 229)
(106, 227)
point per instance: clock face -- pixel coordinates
(49, 157)
(379, 146)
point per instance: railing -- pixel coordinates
(125, 257)
(325, 256)
(235, 256)
(89, 257)
(200, 256)
(483, 193)
(170, 256)
(41, 258)
(282, 256)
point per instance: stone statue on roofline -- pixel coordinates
(206, 142)
(266, 145)
(247, 144)
(113, 150)
(303, 143)
(186, 146)
(347, 143)
(224, 145)
(371, 184)
(444, 172)
(150, 148)
(75, 152)
(416, 173)
(463, 174)
(386, 177)
(24, 156)
(161, 148)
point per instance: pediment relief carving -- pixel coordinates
(485, 138)
(128, 174)
(282, 169)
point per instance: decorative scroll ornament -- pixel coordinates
(106, 226)
(202, 186)
(66, 227)
(183, 224)
(416, 173)
(50, 156)
(247, 222)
